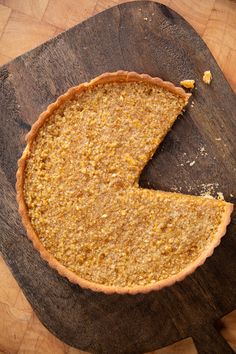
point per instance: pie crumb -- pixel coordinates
(187, 83)
(202, 151)
(207, 77)
(220, 196)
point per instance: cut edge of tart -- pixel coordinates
(120, 76)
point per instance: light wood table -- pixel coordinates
(24, 24)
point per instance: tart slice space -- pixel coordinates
(78, 193)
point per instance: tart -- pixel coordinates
(78, 193)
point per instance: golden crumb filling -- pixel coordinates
(82, 194)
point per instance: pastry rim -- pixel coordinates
(119, 76)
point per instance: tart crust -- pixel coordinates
(119, 76)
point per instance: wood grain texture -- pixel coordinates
(59, 14)
(208, 17)
(24, 25)
(4, 16)
(32, 8)
(4, 59)
(18, 76)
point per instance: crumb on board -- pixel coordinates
(176, 189)
(220, 196)
(218, 139)
(208, 189)
(187, 83)
(231, 195)
(202, 151)
(207, 77)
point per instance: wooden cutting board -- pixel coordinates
(145, 37)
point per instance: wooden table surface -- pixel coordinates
(24, 24)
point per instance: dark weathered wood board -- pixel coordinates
(145, 37)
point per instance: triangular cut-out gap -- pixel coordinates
(179, 164)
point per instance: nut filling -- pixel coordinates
(82, 194)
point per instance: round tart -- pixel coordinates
(78, 193)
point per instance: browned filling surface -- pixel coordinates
(84, 202)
